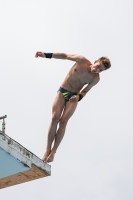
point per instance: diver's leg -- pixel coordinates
(67, 113)
(57, 109)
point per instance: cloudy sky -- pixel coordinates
(94, 160)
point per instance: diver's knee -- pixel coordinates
(63, 121)
(55, 118)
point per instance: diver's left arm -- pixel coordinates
(76, 98)
(89, 86)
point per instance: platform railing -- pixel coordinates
(3, 123)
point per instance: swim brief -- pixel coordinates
(66, 94)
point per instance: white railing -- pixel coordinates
(3, 125)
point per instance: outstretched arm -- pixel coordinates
(73, 57)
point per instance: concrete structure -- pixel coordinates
(17, 164)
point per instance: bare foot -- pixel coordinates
(45, 157)
(50, 158)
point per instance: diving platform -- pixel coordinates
(19, 165)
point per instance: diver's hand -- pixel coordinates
(39, 54)
(74, 98)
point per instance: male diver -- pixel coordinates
(83, 73)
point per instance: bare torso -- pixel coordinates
(78, 76)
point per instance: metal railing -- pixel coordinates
(3, 123)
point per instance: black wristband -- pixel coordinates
(80, 97)
(48, 55)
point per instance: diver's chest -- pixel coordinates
(84, 77)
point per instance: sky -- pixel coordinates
(94, 160)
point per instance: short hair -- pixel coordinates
(106, 62)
